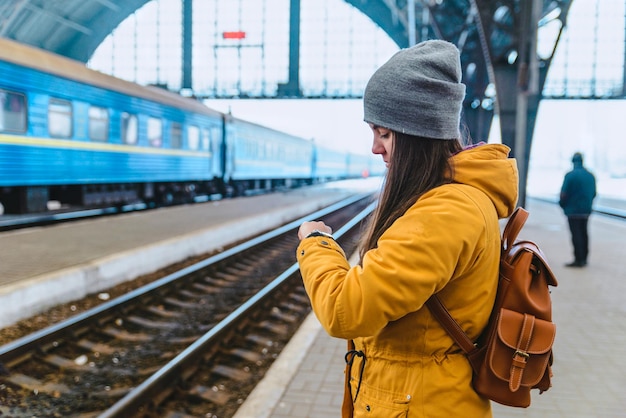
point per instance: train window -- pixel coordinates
(98, 124)
(129, 128)
(193, 137)
(206, 140)
(60, 118)
(269, 151)
(216, 139)
(176, 135)
(12, 112)
(155, 132)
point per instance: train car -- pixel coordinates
(81, 137)
(359, 165)
(329, 164)
(260, 158)
(377, 167)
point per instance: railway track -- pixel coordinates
(194, 343)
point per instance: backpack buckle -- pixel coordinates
(521, 353)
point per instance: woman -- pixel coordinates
(435, 230)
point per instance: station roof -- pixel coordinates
(73, 28)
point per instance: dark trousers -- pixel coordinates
(580, 237)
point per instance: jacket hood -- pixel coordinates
(488, 168)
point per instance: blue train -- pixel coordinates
(79, 137)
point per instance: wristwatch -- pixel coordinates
(318, 233)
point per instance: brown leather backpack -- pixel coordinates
(514, 353)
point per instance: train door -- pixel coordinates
(227, 145)
(314, 164)
(212, 139)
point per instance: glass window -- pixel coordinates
(216, 139)
(206, 140)
(269, 151)
(193, 137)
(129, 128)
(98, 124)
(260, 150)
(60, 118)
(176, 135)
(155, 132)
(12, 112)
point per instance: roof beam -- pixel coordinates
(6, 24)
(109, 4)
(60, 19)
(427, 9)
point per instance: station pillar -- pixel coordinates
(292, 87)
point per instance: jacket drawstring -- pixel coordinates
(349, 357)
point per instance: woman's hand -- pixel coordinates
(307, 227)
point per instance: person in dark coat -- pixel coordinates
(576, 199)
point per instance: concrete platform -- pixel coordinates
(589, 309)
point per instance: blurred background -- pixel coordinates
(340, 48)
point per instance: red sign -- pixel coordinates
(234, 35)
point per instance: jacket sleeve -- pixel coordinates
(438, 238)
(563, 196)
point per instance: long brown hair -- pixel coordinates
(417, 166)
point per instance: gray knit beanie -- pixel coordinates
(418, 91)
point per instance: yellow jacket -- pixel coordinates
(447, 242)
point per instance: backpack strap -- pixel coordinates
(441, 313)
(513, 227)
